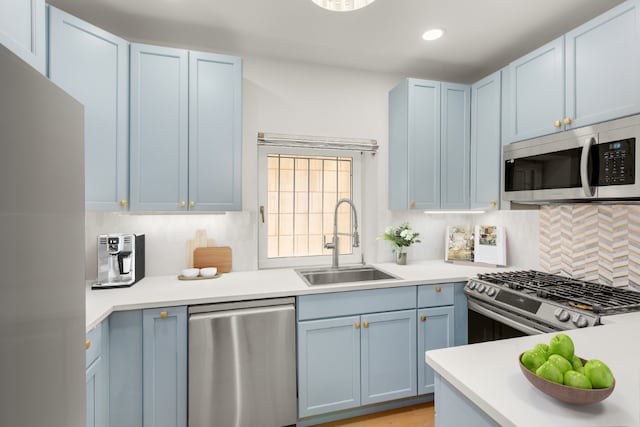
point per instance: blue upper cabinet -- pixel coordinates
(159, 128)
(589, 75)
(215, 132)
(485, 142)
(454, 146)
(603, 65)
(93, 67)
(23, 30)
(186, 130)
(429, 145)
(165, 367)
(534, 98)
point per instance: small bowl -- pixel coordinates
(575, 396)
(191, 272)
(208, 271)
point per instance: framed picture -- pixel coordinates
(459, 245)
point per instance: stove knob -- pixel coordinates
(561, 315)
(580, 321)
(491, 291)
(471, 286)
(480, 288)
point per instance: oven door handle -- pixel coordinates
(502, 319)
(584, 164)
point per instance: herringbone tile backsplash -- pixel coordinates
(592, 242)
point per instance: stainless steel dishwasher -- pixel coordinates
(242, 364)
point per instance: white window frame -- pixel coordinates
(306, 261)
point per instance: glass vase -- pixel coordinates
(401, 256)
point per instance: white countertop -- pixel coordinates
(488, 374)
(163, 291)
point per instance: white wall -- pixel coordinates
(292, 98)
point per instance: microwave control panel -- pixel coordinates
(616, 162)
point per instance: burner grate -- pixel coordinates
(601, 299)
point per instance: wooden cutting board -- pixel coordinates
(217, 256)
(201, 240)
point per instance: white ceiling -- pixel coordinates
(481, 35)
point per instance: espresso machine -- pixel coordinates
(120, 260)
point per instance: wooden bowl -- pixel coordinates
(575, 396)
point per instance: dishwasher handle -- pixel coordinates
(208, 308)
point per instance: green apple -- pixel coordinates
(576, 363)
(532, 360)
(551, 372)
(598, 373)
(543, 349)
(563, 345)
(563, 364)
(576, 379)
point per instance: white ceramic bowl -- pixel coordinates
(208, 272)
(190, 272)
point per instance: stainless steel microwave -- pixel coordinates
(593, 163)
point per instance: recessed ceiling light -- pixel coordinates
(433, 34)
(342, 5)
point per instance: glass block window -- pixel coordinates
(302, 192)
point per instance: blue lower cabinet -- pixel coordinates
(97, 376)
(388, 356)
(164, 349)
(148, 368)
(328, 365)
(435, 330)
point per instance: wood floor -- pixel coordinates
(412, 416)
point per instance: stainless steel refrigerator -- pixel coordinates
(42, 314)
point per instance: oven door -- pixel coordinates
(486, 322)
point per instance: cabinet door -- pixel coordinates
(215, 132)
(93, 67)
(424, 144)
(388, 356)
(97, 376)
(164, 348)
(485, 142)
(535, 93)
(23, 30)
(435, 330)
(328, 365)
(159, 128)
(454, 146)
(603, 65)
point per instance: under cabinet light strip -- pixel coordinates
(453, 212)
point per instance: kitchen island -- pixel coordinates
(481, 384)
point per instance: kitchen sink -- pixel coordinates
(344, 275)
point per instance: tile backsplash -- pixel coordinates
(592, 242)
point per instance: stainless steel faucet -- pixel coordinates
(333, 245)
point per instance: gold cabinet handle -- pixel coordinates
(262, 213)
(124, 203)
(557, 123)
(567, 121)
(164, 314)
(493, 204)
(182, 204)
(87, 344)
(438, 289)
(412, 204)
(423, 318)
(192, 204)
(357, 325)
(366, 324)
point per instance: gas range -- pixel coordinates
(535, 302)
